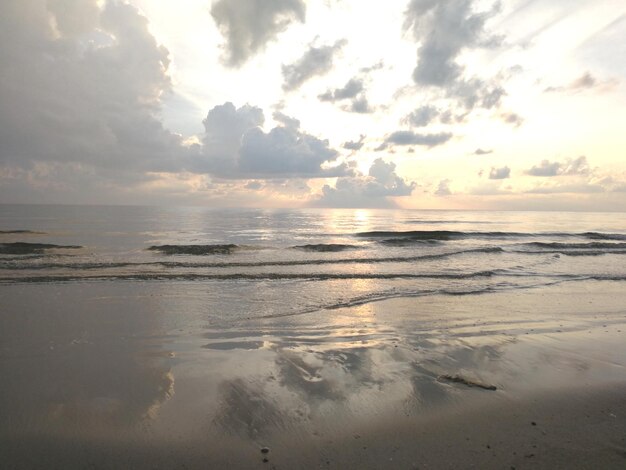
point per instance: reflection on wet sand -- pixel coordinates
(77, 372)
(386, 360)
(94, 372)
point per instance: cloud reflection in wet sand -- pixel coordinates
(343, 364)
(302, 376)
(77, 372)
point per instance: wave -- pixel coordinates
(445, 235)
(324, 248)
(246, 276)
(315, 277)
(251, 264)
(195, 249)
(571, 253)
(406, 241)
(23, 248)
(395, 294)
(447, 222)
(604, 236)
(20, 232)
(576, 246)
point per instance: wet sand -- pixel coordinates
(138, 375)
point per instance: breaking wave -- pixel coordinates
(251, 264)
(252, 277)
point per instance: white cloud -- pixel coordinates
(372, 190)
(444, 188)
(577, 166)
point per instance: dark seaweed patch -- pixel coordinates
(22, 248)
(195, 249)
(20, 232)
(462, 380)
(326, 248)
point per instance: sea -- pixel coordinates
(263, 263)
(168, 337)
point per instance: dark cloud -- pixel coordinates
(412, 138)
(422, 116)
(444, 30)
(499, 173)
(235, 146)
(360, 105)
(354, 90)
(578, 166)
(355, 145)
(315, 61)
(88, 92)
(480, 151)
(248, 25)
(287, 121)
(74, 17)
(349, 90)
(372, 190)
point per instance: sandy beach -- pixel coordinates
(118, 379)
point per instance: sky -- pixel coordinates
(426, 104)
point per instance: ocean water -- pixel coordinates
(263, 263)
(144, 337)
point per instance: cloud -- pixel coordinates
(372, 190)
(248, 25)
(480, 151)
(287, 121)
(354, 90)
(74, 17)
(254, 185)
(583, 188)
(413, 138)
(360, 105)
(422, 116)
(444, 30)
(315, 61)
(511, 118)
(354, 145)
(235, 146)
(499, 173)
(476, 92)
(83, 84)
(351, 89)
(583, 83)
(444, 188)
(578, 166)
